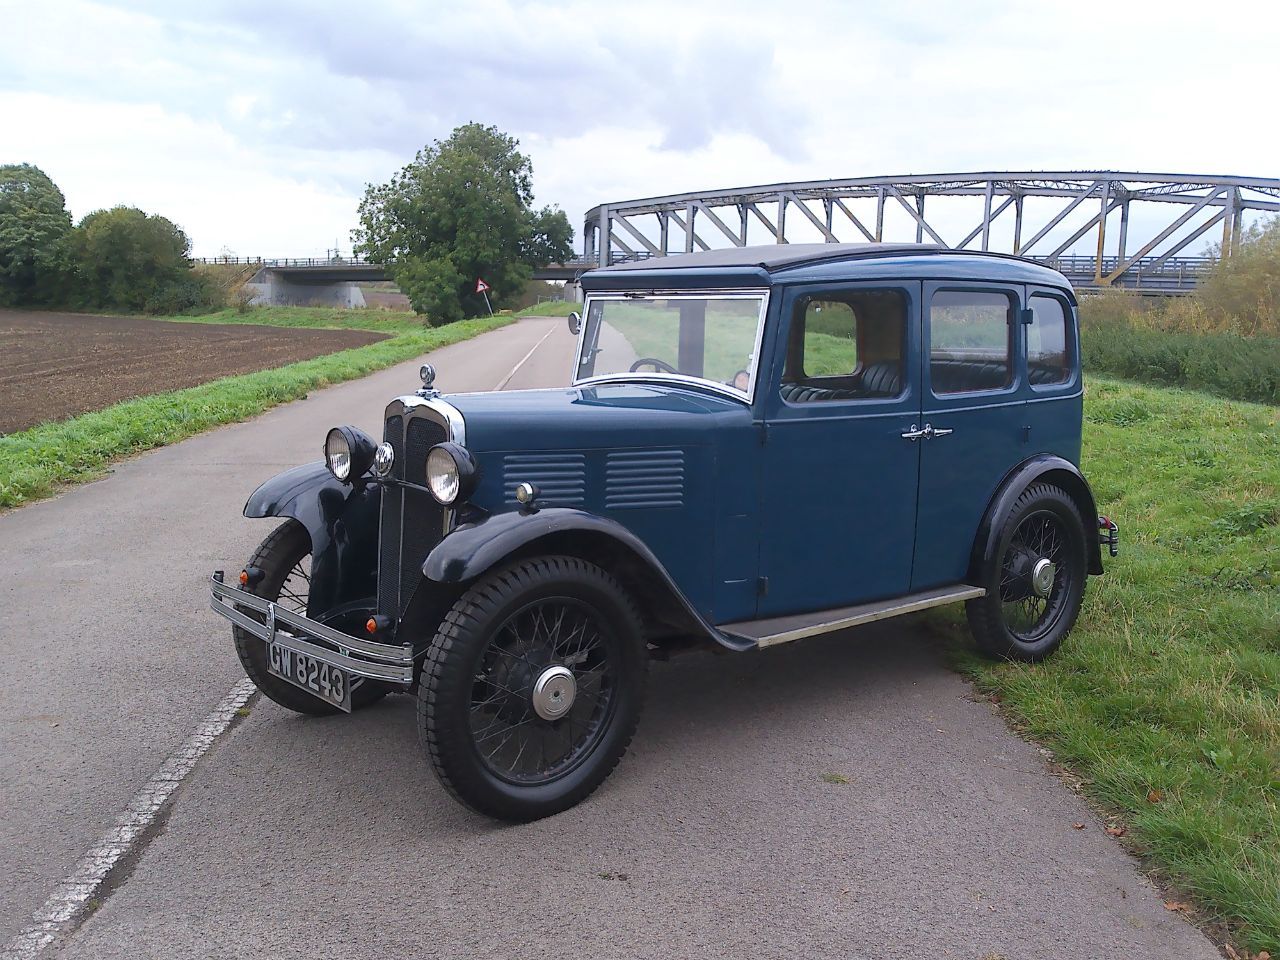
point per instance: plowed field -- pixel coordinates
(56, 365)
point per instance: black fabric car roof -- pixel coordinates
(776, 256)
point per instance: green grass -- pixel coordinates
(828, 356)
(550, 308)
(1171, 680)
(34, 463)
(333, 318)
(654, 331)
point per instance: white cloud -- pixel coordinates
(256, 125)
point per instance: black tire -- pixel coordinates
(1014, 621)
(479, 676)
(280, 557)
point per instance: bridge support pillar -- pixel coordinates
(271, 289)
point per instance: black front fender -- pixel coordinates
(343, 523)
(474, 548)
(1051, 469)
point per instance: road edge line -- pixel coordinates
(524, 360)
(71, 898)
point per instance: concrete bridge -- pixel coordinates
(335, 281)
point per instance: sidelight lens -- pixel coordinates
(443, 479)
(337, 453)
(384, 459)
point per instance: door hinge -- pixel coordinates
(764, 433)
(762, 586)
(1027, 316)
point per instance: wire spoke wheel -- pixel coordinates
(544, 691)
(284, 558)
(1031, 609)
(1034, 576)
(295, 591)
(532, 687)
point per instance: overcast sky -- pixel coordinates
(255, 126)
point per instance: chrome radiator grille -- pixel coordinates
(412, 521)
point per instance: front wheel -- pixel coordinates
(532, 688)
(285, 561)
(1034, 580)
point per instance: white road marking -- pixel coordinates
(72, 897)
(525, 360)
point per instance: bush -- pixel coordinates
(1226, 364)
(193, 293)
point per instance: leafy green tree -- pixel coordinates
(34, 226)
(461, 212)
(127, 259)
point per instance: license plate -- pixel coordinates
(328, 683)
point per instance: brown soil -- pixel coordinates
(56, 365)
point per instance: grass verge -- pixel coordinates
(35, 463)
(550, 308)
(1166, 697)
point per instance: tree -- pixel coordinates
(130, 260)
(34, 226)
(461, 212)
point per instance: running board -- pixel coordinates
(767, 633)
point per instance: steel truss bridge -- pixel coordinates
(1049, 217)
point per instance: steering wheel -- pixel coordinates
(658, 365)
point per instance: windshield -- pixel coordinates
(710, 338)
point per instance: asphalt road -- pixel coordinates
(717, 836)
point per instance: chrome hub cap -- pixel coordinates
(1042, 577)
(553, 692)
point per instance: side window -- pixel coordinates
(846, 345)
(971, 337)
(1048, 360)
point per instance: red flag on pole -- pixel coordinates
(481, 286)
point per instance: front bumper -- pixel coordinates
(387, 662)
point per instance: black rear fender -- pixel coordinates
(343, 523)
(1042, 469)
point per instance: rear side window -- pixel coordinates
(1047, 338)
(971, 336)
(846, 345)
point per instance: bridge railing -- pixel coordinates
(287, 261)
(1172, 273)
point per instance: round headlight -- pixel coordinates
(442, 475)
(451, 473)
(348, 453)
(337, 454)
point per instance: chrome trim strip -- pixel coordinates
(454, 422)
(763, 294)
(392, 662)
(866, 613)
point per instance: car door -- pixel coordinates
(973, 418)
(839, 479)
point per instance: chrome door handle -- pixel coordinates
(928, 432)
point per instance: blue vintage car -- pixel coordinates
(759, 445)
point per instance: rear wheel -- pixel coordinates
(284, 558)
(1035, 578)
(532, 688)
